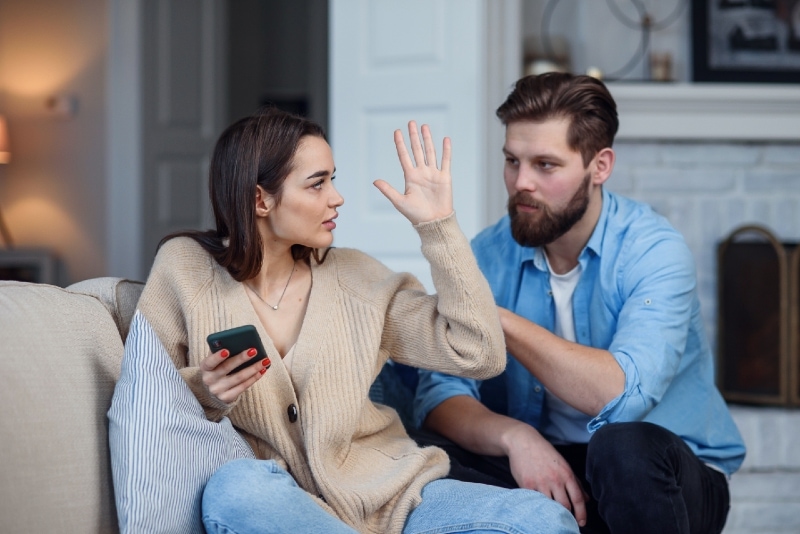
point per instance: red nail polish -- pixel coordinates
(262, 370)
(224, 353)
(251, 352)
(265, 362)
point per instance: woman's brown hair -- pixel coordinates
(255, 150)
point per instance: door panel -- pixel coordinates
(182, 109)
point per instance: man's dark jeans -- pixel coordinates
(641, 477)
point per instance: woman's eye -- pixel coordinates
(318, 184)
(511, 161)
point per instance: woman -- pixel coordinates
(329, 321)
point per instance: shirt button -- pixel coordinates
(292, 412)
(537, 389)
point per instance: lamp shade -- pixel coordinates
(5, 154)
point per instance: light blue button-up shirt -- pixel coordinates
(636, 298)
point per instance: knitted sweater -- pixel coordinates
(352, 455)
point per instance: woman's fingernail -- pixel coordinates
(262, 370)
(265, 362)
(251, 352)
(224, 353)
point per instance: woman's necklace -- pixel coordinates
(275, 307)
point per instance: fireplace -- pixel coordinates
(758, 352)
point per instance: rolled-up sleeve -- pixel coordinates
(435, 388)
(658, 304)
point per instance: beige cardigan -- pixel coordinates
(352, 454)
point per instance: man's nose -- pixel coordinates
(525, 179)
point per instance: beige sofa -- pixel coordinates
(60, 356)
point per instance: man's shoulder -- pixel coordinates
(495, 238)
(634, 219)
(634, 229)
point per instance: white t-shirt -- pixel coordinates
(564, 424)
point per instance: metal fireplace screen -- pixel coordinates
(758, 354)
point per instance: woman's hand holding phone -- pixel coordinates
(227, 375)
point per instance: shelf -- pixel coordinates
(710, 111)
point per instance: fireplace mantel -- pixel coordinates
(710, 111)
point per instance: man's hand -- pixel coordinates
(535, 464)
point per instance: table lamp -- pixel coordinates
(5, 157)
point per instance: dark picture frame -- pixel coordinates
(746, 41)
(28, 265)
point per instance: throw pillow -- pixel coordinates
(163, 449)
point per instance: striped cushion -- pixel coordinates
(163, 449)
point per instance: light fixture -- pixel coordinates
(5, 157)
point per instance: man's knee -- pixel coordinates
(617, 450)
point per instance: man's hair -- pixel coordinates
(584, 101)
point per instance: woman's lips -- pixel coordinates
(330, 224)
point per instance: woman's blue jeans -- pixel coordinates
(249, 496)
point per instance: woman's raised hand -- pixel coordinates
(428, 193)
(227, 388)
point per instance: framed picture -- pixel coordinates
(751, 41)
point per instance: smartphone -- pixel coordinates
(236, 340)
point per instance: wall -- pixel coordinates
(53, 192)
(595, 37)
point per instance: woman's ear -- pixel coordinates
(264, 202)
(604, 164)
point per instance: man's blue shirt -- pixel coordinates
(636, 298)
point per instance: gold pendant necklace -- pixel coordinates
(275, 307)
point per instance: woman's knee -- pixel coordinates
(245, 483)
(450, 503)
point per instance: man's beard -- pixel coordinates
(544, 227)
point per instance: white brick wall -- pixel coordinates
(707, 190)
(765, 492)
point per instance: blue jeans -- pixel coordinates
(249, 496)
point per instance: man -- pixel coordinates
(608, 403)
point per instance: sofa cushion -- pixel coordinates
(163, 449)
(59, 359)
(118, 295)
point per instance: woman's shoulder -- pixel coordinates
(350, 260)
(184, 258)
(361, 272)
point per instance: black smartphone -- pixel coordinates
(236, 340)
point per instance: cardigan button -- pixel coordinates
(292, 412)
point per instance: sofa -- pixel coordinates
(60, 358)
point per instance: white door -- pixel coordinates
(433, 61)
